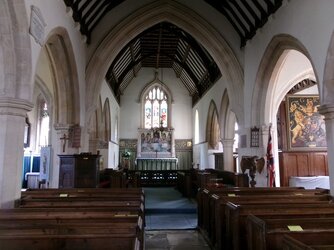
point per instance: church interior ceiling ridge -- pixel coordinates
(167, 46)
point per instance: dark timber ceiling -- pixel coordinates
(167, 46)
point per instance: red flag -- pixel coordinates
(270, 162)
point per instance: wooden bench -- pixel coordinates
(217, 221)
(117, 241)
(204, 195)
(290, 243)
(68, 226)
(96, 192)
(236, 217)
(268, 233)
(75, 219)
(207, 199)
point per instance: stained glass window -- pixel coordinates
(156, 108)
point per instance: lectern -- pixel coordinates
(79, 170)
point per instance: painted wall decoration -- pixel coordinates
(306, 126)
(156, 141)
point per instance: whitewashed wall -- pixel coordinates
(110, 156)
(130, 108)
(313, 29)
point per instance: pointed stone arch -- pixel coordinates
(181, 16)
(65, 77)
(266, 96)
(227, 118)
(328, 81)
(268, 69)
(15, 51)
(212, 126)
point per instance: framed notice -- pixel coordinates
(305, 125)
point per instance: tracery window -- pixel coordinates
(156, 108)
(44, 122)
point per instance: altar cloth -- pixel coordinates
(309, 182)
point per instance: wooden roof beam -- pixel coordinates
(264, 14)
(222, 10)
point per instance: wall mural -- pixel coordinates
(306, 126)
(156, 141)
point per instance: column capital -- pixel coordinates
(14, 106)
(265, 128)
(327, 110)
(61, 128)
(227, 142)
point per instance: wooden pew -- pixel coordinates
(236, 217)
(117, 241)
(269, 233)
(80, 202)
(207, 199)
(67, 224)
(204, 195)
(217, 221)
(75, 220)
(290, 243)
(96, 192)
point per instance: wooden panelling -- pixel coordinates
(320, 163)
(302, 164)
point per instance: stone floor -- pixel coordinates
(175, 240)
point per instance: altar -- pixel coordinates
(309, 182)
(156, 164)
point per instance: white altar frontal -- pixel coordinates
(309, 182)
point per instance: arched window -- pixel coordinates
(212, 127)
(236, 138)
(44, 123)
(196, 139)
(156, 108)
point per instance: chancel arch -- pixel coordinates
(152, 14)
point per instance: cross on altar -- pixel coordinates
(64, 139)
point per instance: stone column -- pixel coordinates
(228, 154)
(327, 110)
(12, 122)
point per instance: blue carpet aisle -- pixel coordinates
(166, 208)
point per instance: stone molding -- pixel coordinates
(15, 107)
(327, 110)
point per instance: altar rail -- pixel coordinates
(156, 164)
